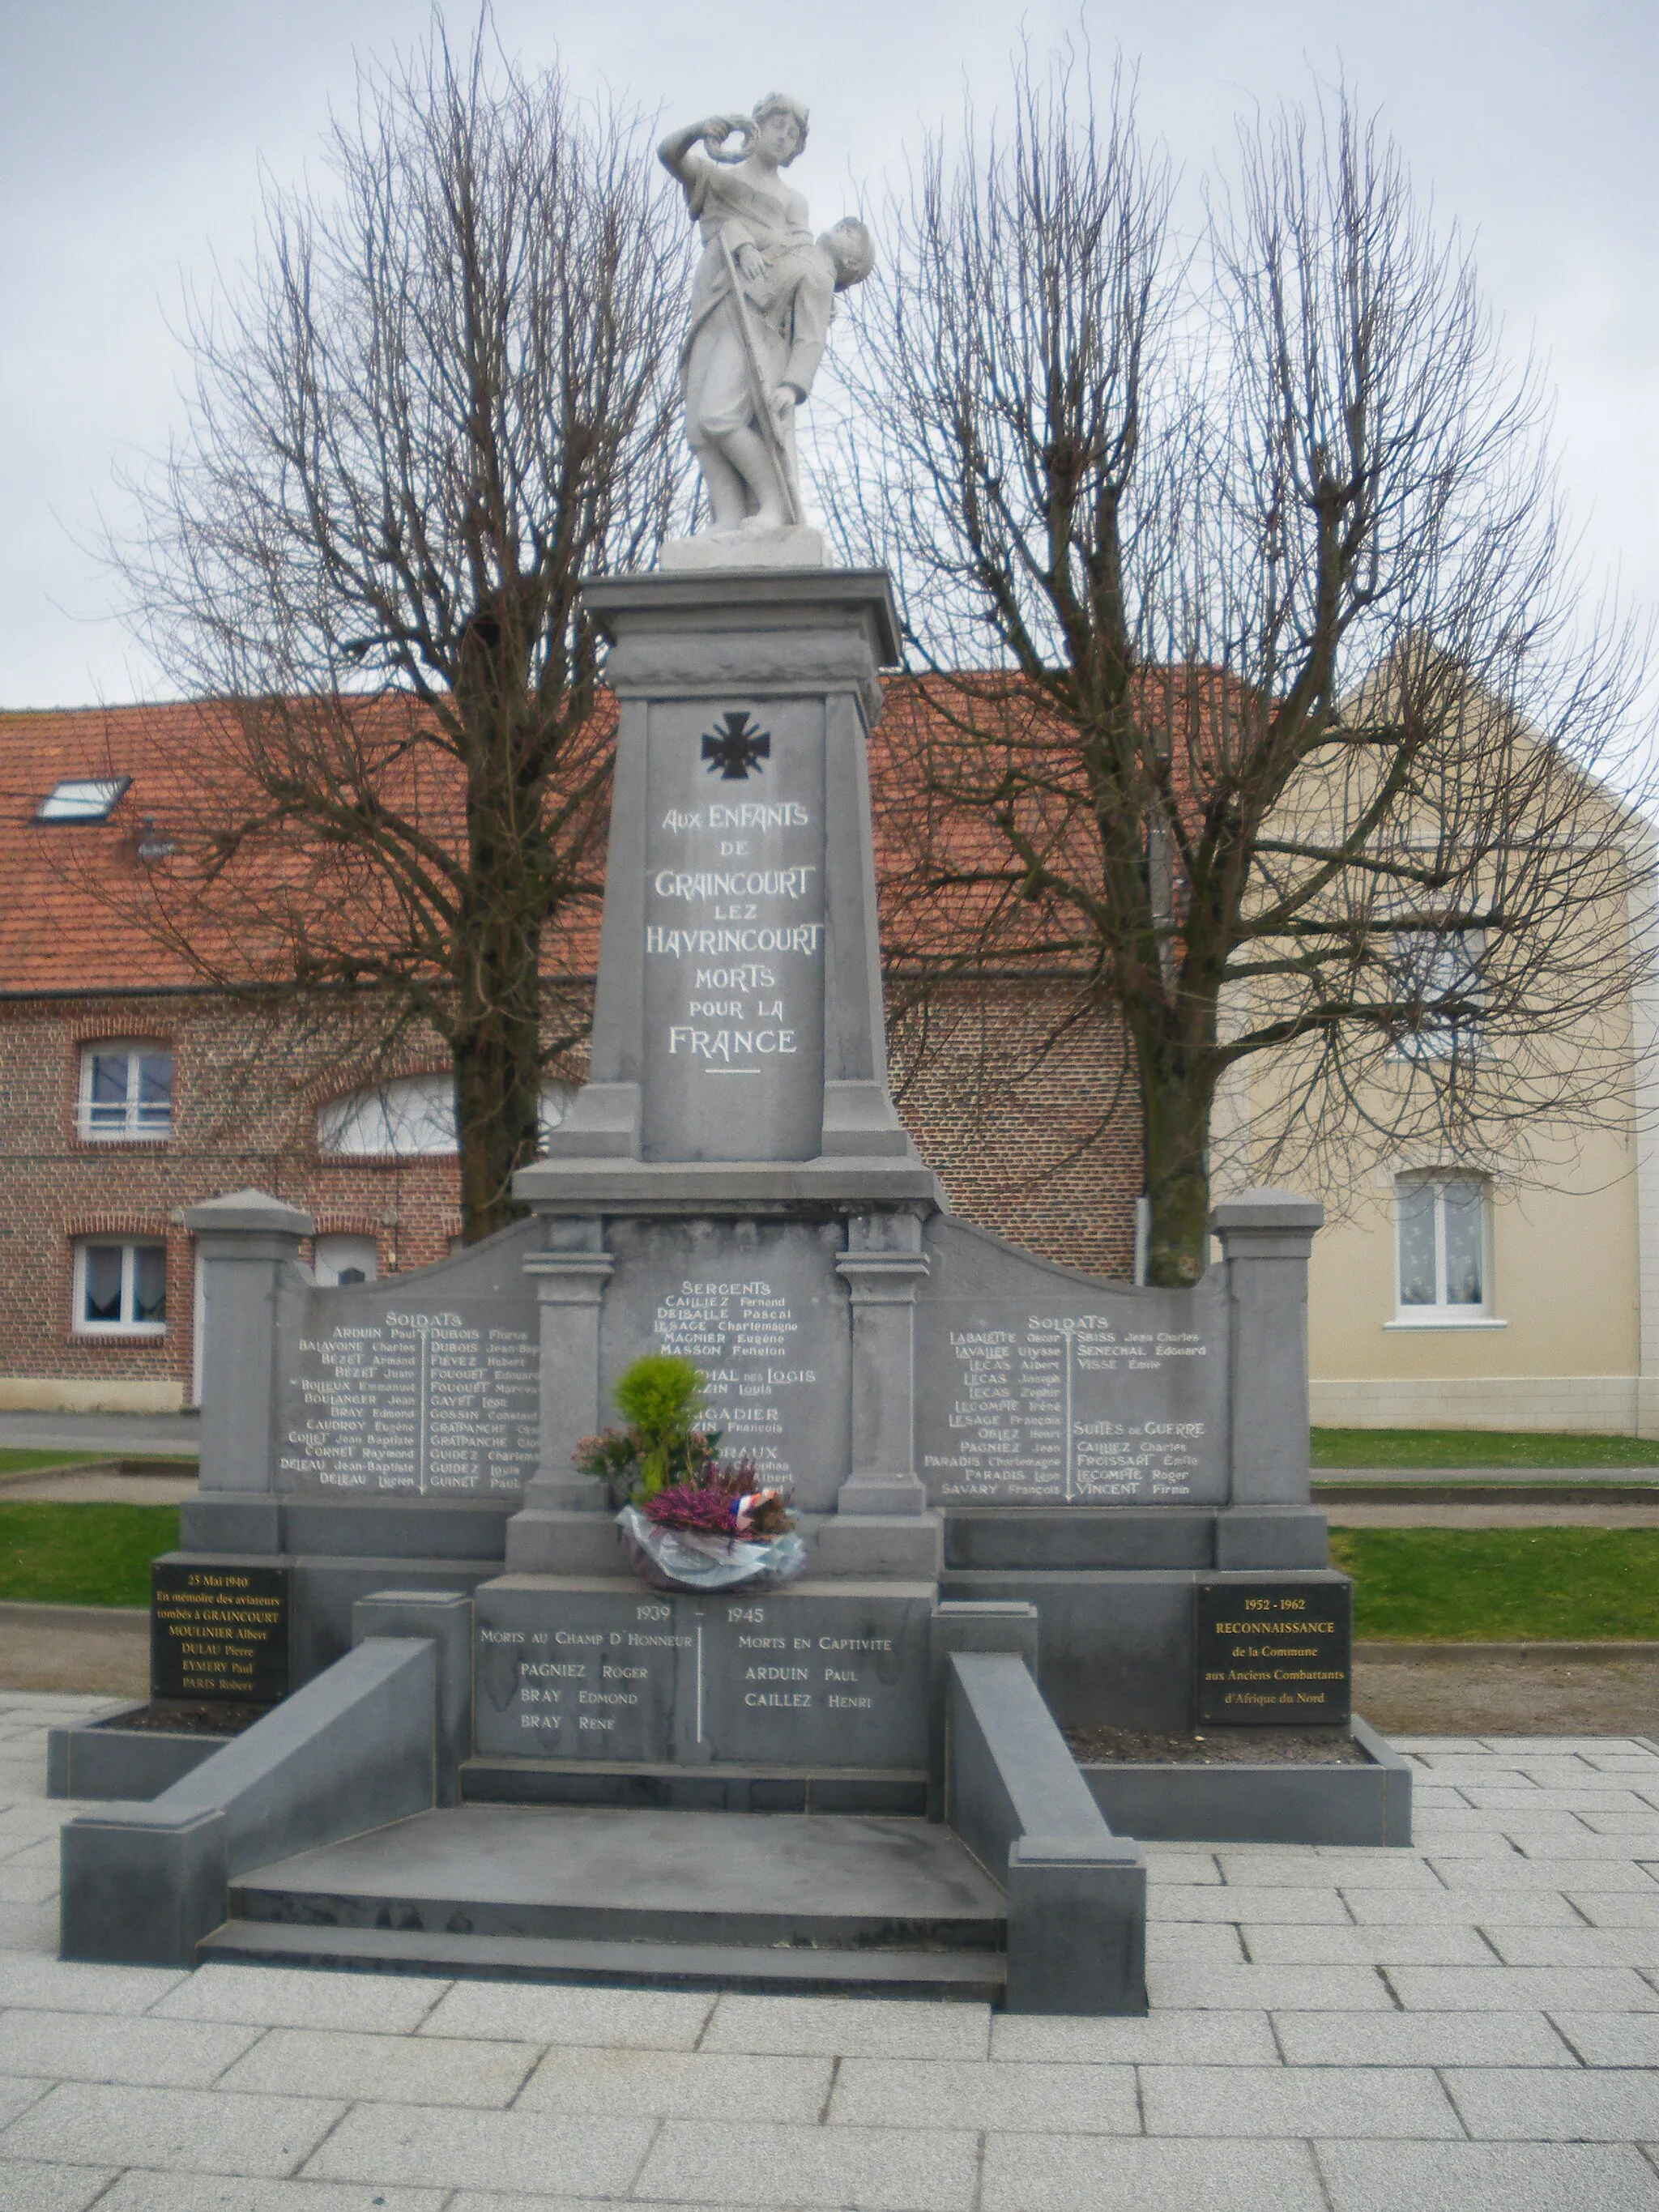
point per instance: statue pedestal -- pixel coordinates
(727, 552)
(733, 1184)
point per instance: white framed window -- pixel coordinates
(412, 1117)
(120, 1287)
(1443, 1251)
(339, 1261)
(83, 798)
(126, 1091)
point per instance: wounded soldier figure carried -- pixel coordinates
(760, 310)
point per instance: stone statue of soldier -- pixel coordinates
(761, 308)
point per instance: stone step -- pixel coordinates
(600, 1873)
(721, 1788)
(968, 1977)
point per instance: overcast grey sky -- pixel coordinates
(132, 133)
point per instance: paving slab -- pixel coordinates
(195, 2129)
(1420, 2038)
(941, 2093)
(29, 1927)
(1534, 1838)
(848, 2027)
(1305, 1907)
(31, 2188)
(203, 2192)
(1521, 1989)
(1216, 1942)
(1162, 2039)
(1540, 1871)
(675, 2085)
(472, 2200)
(1607, 2104)
(1076, 2174)
(173, 2054)
(1611, 2038)
(1355, 2102)
(17, 2093)
(1269, 1989)
(876, 2169)
(282, 1996)
(1467, 1906)
(646, 2020)
(1613, 1909)
(457, 2149)
(70, 1985)
(1453, 2177)
(1577, 1947)
(1272, 1866)
(398, 2070)
(1391, 1944)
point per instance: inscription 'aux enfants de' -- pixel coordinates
(745, 895)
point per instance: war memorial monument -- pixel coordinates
(1031, 1501)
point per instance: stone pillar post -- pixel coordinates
(1266, 1237)
(883, 1266)
(245, 1239)
(563, 1526)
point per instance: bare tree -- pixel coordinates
(1263, 713)
(440, 397)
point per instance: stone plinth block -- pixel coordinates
(828, 1673)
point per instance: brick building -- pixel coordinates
(129, 1089)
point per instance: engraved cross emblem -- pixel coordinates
(736, 748)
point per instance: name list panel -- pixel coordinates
(1039, 1388)
(760, 1311)
(393, 1398)
(794, 1678)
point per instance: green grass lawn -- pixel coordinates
(54, 1554)
(18, 1461)
(1477, 1448)
(1501, 1585)
(1471, 1585)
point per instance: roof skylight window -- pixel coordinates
(89, 798)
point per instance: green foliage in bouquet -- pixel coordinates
(660, 1397)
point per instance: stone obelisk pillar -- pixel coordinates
(739, 1073)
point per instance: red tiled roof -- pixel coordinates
(84, 909)
(81, 910)
(59, 880)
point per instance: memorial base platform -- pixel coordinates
(886, 1791)
(699, 1899)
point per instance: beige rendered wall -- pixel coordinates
(1565, 1286)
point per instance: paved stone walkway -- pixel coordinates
(1474, 2023)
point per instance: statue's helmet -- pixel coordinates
(780, 103)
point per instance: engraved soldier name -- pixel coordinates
(1070, 1409)
(428, 1403)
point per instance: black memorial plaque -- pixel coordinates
(219, 1631)
(1274, 1653)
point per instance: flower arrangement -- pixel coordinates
(689, 1519)
(660, 1397)
(721, 1501)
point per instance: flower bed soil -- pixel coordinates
(194, 1717)
(1254, 1747)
